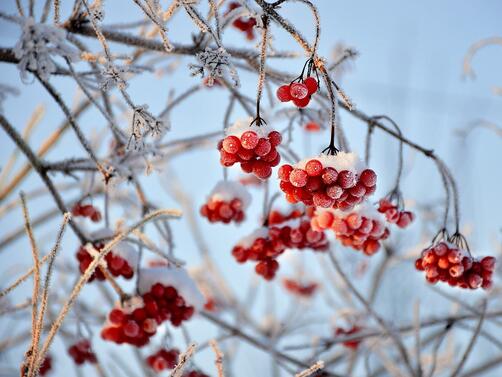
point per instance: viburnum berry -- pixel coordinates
(283, 93)
(253, 146)
(86, 210)
(298, 90)
(244, 24)
(46, 366)
(81, 352)
(163, 359)
(167, 294)
(353, 344)
(301, 102)
(227, 202)
(328, 181)
(361, 229)
(449, 263)
(395, 215)
(299, 288)
(311, 84)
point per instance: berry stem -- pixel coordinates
(261, 78)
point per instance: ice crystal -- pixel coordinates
(214, 63)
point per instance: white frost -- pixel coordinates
(174, 277)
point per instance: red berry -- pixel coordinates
(284, 172)
(298, 91)
(298, 177)
(346, 179)
(263, 147)
(262, 170)
(301, 102)
(249, 140)
(311, 84)
(313, 168)
(368, 177)
(329, 175)
(231, 144)
(283, 93)
(488, 263)
(275, 138)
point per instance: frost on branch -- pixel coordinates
(144, 124)
(37, 45)
(214, 64)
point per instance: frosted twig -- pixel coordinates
(311, 370)
(183, 359)
(218, 357)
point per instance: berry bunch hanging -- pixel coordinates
(329, 181)
(301, 89)
(253, 146)
(394, 213)
(227, 202)
(163, 359)
(121, 261)
(361, 229)
(450, 263)
(167, 294)
(81, 352)
(86, 210)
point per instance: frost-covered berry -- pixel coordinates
(226, 203)
(298, 91)
(311, 84)
(283, 93)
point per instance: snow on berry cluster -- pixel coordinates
(244, 24)
(254, 147)
(120, 261)
(394, 215)
(361, 229)
(327, 181)
(167, 294)
(163, 359)
(81, 352)
(298, 92)
(299, 288)
(87, 211)
(451, 264)
(352, 344)
(265, 244)
(226, 202)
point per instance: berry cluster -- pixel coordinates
(300, 289)
(353, 344)
(167, 294)
(227, 202)
(254, 147)
(261, 247)
(81, 352)
(451, 264)
(86, 210)
(298, 92)
(46, 366)
(327, 181)
(116, 264)
(361, 229)
(163, 359)
(394, 215)
(246, 25)
(265, 244)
